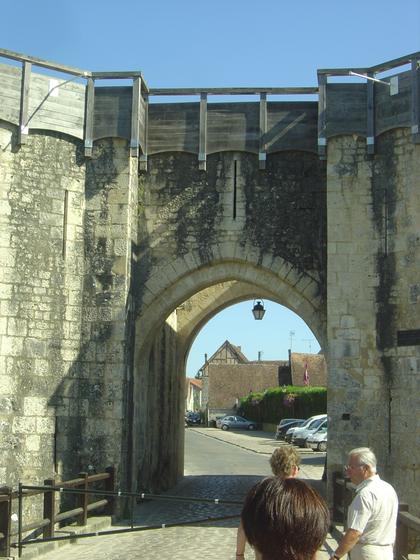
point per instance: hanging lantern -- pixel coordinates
(258, 310)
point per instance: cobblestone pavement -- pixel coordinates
(212, 540)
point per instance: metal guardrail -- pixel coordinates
(81, 513)
(343, 493)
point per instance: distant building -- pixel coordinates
(228, 375)
(193, 390)
(314, 364)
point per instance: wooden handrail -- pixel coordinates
(50, 518)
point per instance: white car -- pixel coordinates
(300, 434)
(318, 440)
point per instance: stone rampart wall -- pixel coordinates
(373, 264)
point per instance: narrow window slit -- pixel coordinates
(66, 203)
(235, 176)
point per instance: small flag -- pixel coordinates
(306, 375)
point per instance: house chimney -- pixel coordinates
(205, 358)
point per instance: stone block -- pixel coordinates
(36, 406)
(32, 443)
(17, 327)
(24, 425)
(11, 345)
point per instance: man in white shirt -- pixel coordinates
(372, 515)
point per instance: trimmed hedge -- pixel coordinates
(284, 402)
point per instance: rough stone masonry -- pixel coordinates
(115, 253)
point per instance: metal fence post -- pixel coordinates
(5, 513)
(49, 509)
(110, 487)
(401, 541)
(83, 499)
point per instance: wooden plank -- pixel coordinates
(233, 127)
(370, 116)
(322, 116)
(44, 63)
(415, 100)
(202, 148)
(117, 75)
(144, 145)
(236, 91)
(262, 154)
(393, 111)
(345, 109)
(173, 127)
(112, 112)
(90, 106)
(390, 64)
(135, 109)
(291, 126)
(24, 103)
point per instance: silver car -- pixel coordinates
(318, 440)
(237, 422)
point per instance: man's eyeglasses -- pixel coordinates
(349, 467)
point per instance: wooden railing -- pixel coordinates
(80, 512)
(343, 493)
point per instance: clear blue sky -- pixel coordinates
(186, 43)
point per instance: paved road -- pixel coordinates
(218, 468)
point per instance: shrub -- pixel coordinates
(284, 402)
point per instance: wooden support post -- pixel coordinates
(262, 154)
(415, 101)
(90, 106)
(322, 116)
(110, 487)
(135, 109)
(401, 541)
(24, 103)
(49, 509)
(202, 148)
(5, 513)
(83, 499)
(143, 155)
(370, 116)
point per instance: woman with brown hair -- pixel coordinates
(284, 463)
(285, 519)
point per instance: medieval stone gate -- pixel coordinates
(127, 224)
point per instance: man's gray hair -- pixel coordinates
(366, 457)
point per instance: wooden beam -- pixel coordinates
(415, 100)
(89, 115)
(262, 153)
(235, 91)
(370, 115)
(44, 63)
(322, 116)
(135, 109)
(143, 155)
(202, 149)
(24, 103)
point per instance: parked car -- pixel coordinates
(302, 438)
(192, 418)
(237, 422)
(300, 434)
(318, 440)
(289, 434)
(219, 421)
(282, 428)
